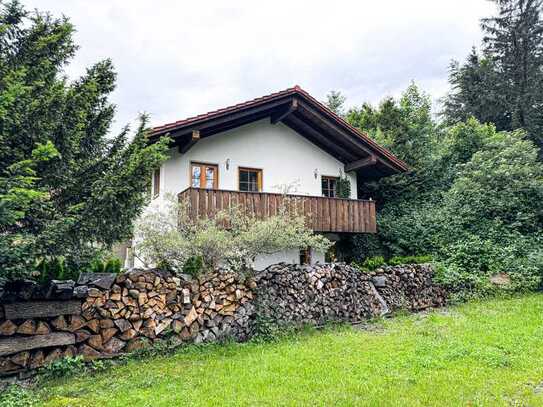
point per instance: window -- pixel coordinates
(250, 180)
(156, 182)
(329, 186)
(305, 256)
(204, 175)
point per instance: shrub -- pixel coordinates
(167, 237)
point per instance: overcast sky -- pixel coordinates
(180, 58)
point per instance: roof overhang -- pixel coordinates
(304, 114)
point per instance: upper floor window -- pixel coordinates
(156, 182)
(204, 175)
(329, 186)
(250, 179)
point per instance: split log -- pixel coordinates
(42, 328)
(41, 309)
(12, 345)
(27, 328)
(7, 328)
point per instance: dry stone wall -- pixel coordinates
(105, 315)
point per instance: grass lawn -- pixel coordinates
(483, 353)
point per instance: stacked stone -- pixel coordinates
(410, 287)
(317, 294)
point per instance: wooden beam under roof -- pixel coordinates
(315, 136)
(193, 140)
(358, 164)
(282, 114)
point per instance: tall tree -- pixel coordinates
(514, 38)
(477, 92)
(66, 186)
(505, 85)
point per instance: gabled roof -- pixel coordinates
(303, 113)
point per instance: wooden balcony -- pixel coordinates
(322, 214)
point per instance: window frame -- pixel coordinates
(155, 183)
(329, 178)
(259, 178)
(202, 166)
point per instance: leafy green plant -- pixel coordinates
(63, 367)
(343, 187)
(55, 269)
(17, 396)
(193, 266)
(112, 265)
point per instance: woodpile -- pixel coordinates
(139, 307)
(409, 287)
(323, 293)
(108, 315)
(294, 294)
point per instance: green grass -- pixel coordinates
(481, 354)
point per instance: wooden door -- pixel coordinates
(204, 175)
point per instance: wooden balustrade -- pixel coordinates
(322, 214)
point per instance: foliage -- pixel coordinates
(473, 200)
(17, 396)
(193, 266)
(504, 85)
(373, 263)
(169, 238)
(343, 187)
(399, 260)
(55, 269)
(335, 101)
(67, 188)
(63, 367)
(485, 353)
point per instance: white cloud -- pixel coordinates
(180, 58)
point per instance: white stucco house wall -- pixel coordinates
(283, 142)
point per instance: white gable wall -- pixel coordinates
(285, 157)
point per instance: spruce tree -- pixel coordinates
(67, 187)
(514, 39)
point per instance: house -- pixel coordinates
(249, 152)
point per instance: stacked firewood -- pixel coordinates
(139, 307)
(323, 293)
(104, 315)
(315, 295)
(410, 287)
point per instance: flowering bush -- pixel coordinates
(168, 237)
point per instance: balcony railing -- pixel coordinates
(322, 214)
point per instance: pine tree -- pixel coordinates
(66, 186)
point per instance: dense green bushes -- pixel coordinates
(474, 202)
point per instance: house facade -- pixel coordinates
(253, 153)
